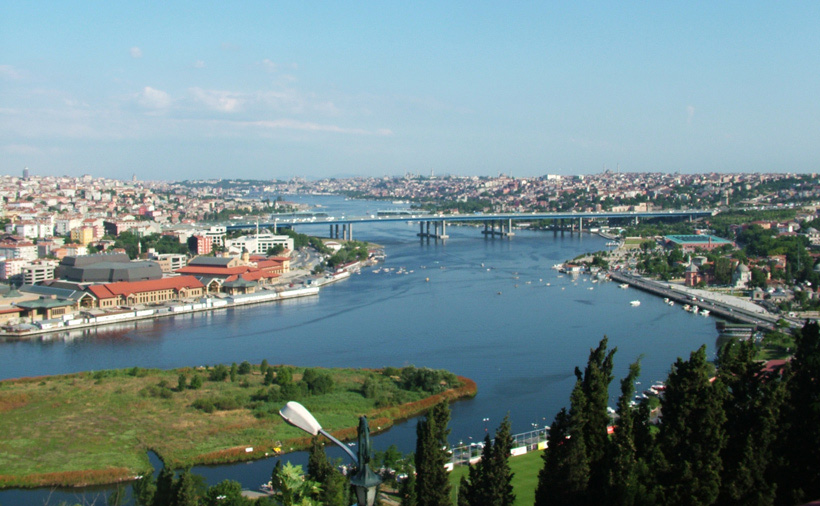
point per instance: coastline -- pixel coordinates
(381, 419)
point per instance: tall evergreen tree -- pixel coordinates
(489, 481)
(752, 407)
(407, 491)
(164, 494)
(144, 489)
(692, 435)
(319, 469)
(185, 490)
(597, 377)
(432, 483)
(564, 478)
(622, 477)
(799, 445)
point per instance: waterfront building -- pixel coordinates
(146, 292)
(259, 244)
(106, 267)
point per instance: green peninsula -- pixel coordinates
(97, 427)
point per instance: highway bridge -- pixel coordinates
(435, 225)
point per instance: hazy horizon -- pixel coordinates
(264, 90)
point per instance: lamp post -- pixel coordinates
(365, 481)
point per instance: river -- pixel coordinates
(491, 309)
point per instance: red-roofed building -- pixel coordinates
(145, 292)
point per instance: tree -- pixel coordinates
(144, 488)
(432, 485)
(623, 485)
(692, 435)
(290, 487)
(752, 407)
(226, 493)
(185, 489)
(596, 380)
(489, 482)
(164, 494)
(799, 450)
(334, 486)
(182, 382)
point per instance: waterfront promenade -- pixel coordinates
(724, 306)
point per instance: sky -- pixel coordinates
(272, 89)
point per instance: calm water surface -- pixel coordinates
(492, 310)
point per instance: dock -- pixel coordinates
(761, 320)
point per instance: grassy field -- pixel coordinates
(525, 479)
(91, 428)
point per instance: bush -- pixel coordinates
(218, 373)
(245, 367)
(204, 405)
(196, 382)
(317, 383)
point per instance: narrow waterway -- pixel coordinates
(489, 309)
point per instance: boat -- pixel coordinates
(635, 303)
(624, 286)
(695, 310)
(666, 299)
(671, 303)
(705, 312)
(687, 307)
(557, 266)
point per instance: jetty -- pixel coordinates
(762, 320)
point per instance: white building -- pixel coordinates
(259, 244)
(35, 273)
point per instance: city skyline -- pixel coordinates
(272, 91)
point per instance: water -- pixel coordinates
(499, 324)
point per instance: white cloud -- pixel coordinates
(136, 52)
(269, 65)
(153, 99)
(224, 101)
(9, 72)
(290, 124)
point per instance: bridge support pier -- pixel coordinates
(435, 234)
(489, 228)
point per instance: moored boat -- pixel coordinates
(635, 303)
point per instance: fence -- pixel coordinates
(524, 442)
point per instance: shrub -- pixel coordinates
(196, 382)
(245, 367)
(218, 373)
(317, 383)
(204, 405)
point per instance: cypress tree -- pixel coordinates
(752, 406)
(144, 489)
(185, 490)
(597, 377)
(622, 476)
(564, 477)
(799, 447)
(319, 469)
(502, 489)
(432, 483)
(692, 435)
(407, 491)
(164, 494)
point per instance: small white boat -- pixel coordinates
(687, 307)
(705, 312)
(695, 310)
(635, 303)
(666, 299)
(624, 286)
(671, 303)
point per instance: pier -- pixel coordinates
(763, 320)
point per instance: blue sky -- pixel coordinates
(268, 89)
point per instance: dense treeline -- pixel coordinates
(732, 435)
(737, 436)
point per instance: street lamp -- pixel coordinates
(365, 481)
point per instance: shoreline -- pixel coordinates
(381, 421)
